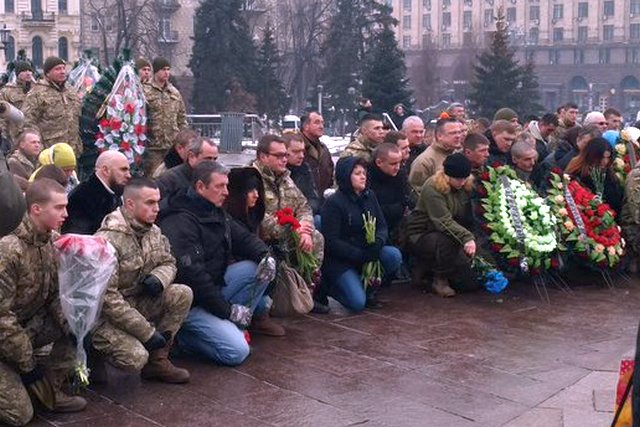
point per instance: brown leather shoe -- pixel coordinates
(440, 287)
(265, 325)
(160, 368)
(66, 403)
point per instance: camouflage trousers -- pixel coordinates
(151, 160)
(631, 234)
(318, 246)
(166, 312)
(15, 405)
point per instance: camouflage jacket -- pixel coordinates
(28, 292)
(137, 257)
(15, 95)
(360, 147)
(167, 115)
(55, 112)
(630, 215)
(280, 192)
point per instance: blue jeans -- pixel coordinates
(217, 339)
(349, 290)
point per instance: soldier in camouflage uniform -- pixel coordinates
(142, 309)
(166, 112)
(281, 192)
(54, 109)
(630, 217)
(15, 94)
(30, 312)
(371, 134)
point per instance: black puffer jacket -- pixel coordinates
(203, 240)
(89, 203)
(343, 226)
(302, 177)
(393, 194)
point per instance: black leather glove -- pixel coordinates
(32, 376)
(371, 253)
(156, 342)
(152, 285)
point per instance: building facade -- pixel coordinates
(42, 28)
(584, 51)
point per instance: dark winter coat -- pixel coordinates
(343, 226)
(318, 157)
(414, 152)
(393, 194)
(204, 239)
(301, 176)
(495, 155)
(613, 193)
(174, 180)
(172, 159)
(12, 203)
(88, 204)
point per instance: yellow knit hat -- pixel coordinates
(61, 155)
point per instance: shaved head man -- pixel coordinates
(100, 195)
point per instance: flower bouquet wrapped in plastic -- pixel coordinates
(83, 77)
(372, 271)
(305, 263)
(85, 265)
(122, 121)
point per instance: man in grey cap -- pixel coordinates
(15, 94)
(166, 112)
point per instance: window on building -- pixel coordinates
(406, 22)
(426, 21)
(446, 3)
(62, 7)
(534, 13)
(446, 40)
(36, 51)
(426, 4)
(511, 14)
(108, 23)
(488, 17)
(406, 42)
(164, 25)
(607, 33)
(634, 7)
(36, 9)
(426, 40)
(467, 19)
(534, 35)
(63, 48)
(10, 50)
(9, 7)
(554, 56)
(406, 5)
(609, 8)
(467, 38)
(468, 3)
(635, 55)
(583, 34)
(634, 31)
(558, 34)
(578, 56)
(558, 11)
(446, 19)
(583, 9)
(95, 25)
(604, 55)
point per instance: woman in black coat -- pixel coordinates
(346, 249)
(245, 202)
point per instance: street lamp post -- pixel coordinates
(320, 88)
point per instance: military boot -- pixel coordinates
(63, 402)
(265, 325)
(160, 368)
(440, 287)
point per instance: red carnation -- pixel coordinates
(485, 176)
(555, 263)
(104, 123)
(124, 145)
(482, 192)
(513, 262)
(496, 164)
(496, 247)
(556, 170)
(139, 129)
(129, 108)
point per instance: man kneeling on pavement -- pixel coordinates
(142, 309)
(227, 266)
(30, 311)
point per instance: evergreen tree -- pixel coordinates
(222, 51)
(345, 46)
(529, 91)
(271, 95)
(384, 77)
(499, 77)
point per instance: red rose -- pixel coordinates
(129, 108)
(124, 145)
(556, 170)
(496, 247)
(513, 262)
(496, 164)
(485, 176)
(588, 212)
(104, 123)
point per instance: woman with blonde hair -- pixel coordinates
(439, 230)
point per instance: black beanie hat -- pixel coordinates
(457, 166)
(51, 62)
(141, 63)
(159, 63)
(22, 66)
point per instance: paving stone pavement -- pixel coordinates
(472, 360)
